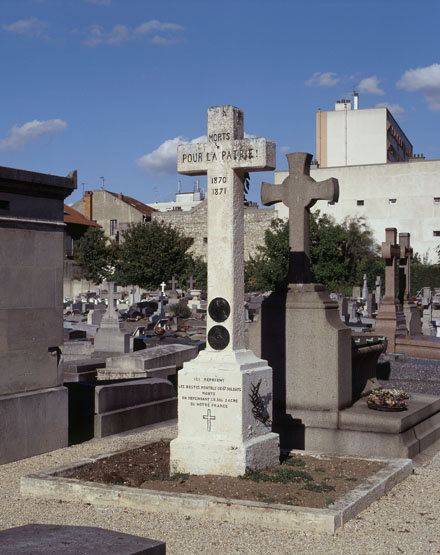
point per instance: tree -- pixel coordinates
(95, 255)
(150, 253)
(339, 254)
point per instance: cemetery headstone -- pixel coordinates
(356, 292)
(410, 310)
(110, 336)
(378, 291)
(225, 394)
(172, 294)
(428, 327)
(365, 288)
(390, 320)
(302, 335)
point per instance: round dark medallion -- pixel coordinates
(218, 337)
(219, 309)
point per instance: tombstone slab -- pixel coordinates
(51, 539)
(225, 394)
(110, 336)
(410, 310)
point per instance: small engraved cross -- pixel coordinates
(208, 417)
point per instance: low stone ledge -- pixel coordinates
(46, 484)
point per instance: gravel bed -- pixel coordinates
(403, 521)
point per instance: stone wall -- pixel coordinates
(193, 223)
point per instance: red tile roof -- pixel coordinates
(72, 216)
(140, 206)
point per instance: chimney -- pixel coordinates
(356, 101)
(88, 205)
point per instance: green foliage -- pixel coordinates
(319, 488)
(339, 255)
(283, 476)
(197, 268)
(424, 275)
(269, 266)
(180, 309)
(151, 253)
(95, 255)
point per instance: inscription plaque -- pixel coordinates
(219, 309)
(218, 337)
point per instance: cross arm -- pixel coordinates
(270, 194)
(325, 190)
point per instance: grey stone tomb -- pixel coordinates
(33, 401)
(225, 394)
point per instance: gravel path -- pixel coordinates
(406, 520)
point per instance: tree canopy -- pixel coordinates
(339, 254)
(150, 253)
(95, 255)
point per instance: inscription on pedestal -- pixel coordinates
(211, 397)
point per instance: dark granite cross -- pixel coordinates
(299, 192)
(406, 253)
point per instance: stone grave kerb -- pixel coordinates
(225, 158)
(299, 192)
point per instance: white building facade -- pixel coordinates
(372, 184)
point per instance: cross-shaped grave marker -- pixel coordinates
(163, 285)
(225, 157)
(111, 315)
(191, 282)
(173, 283)
(390, 253)
(406, 253)
(299, 192)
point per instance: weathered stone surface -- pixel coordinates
(225, 395)
(50, 539)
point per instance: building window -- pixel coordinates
(392, 201)
(113, 227)
(331, 203)
(146, 218)
(360, 202)
(69, 245)
(436, 200)
(205, 240)
(4, 204)
(436, 233)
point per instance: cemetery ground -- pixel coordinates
(405, 520)
(301, 480)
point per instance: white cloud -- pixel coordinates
(393, 108)
(122, 33)
(370, 85)
(285, 149)
(425, 80)
(318, 79)
(18, 137)
(30, 27)
(163, 160)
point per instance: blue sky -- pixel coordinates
(109, 87)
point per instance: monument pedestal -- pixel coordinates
(390, 322)
(225, 410)
(412, 318)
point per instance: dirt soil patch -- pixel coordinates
(302, 480)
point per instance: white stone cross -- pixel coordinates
(225, 158)
(163, 285)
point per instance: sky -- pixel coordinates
(111, 87)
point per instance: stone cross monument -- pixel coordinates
(299, 192)
(365, 288)
(410, 310)
(110, 336)
(427, 327)
(390, 320)
(302, 335)
(225, 394)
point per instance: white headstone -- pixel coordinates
(225, 394)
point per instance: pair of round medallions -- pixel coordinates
(218, 336)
